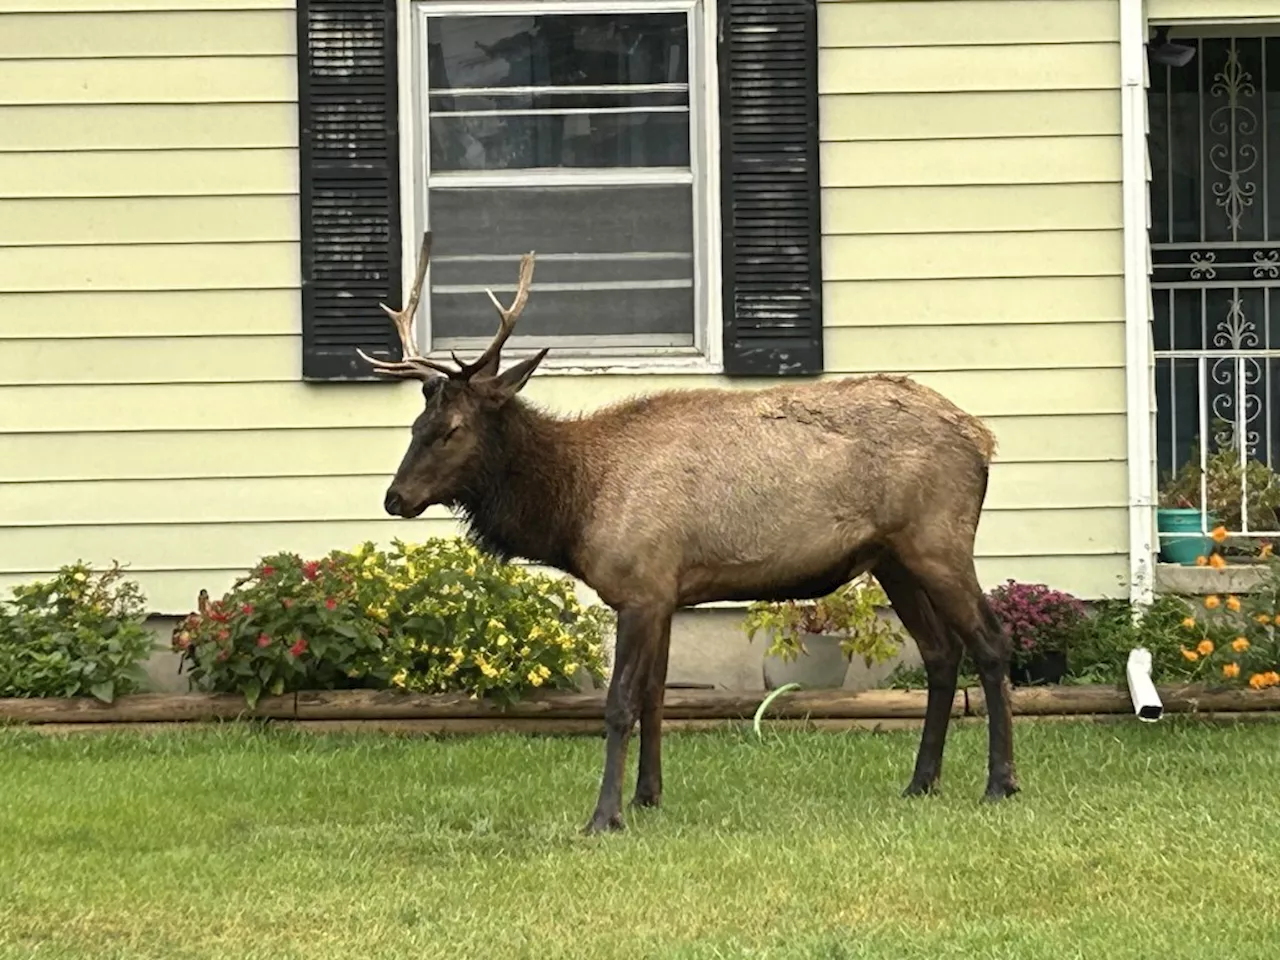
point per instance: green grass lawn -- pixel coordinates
(1128, 842)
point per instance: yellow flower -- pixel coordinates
(1233, 603)
(1211, 602)
(544, 671)
(1265, 551)
(1231, 669)
(1205, 647)
(1219, 534)
(79, 577)
(1239, 644)
(1189, 623)
(1190, 654)
(400, 678)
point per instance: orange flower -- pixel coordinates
(1201, 560)
(1272, 678)
(1263, 618)
(1233, 603)
(1217, 562)
(1190, 654)
(1265, 551)
(1231, 669)
(1278, 619)
(1239, 644)
(1190, 623)
(1204, 647)
(1211, 602)
(1257, 681)
(1219, 533)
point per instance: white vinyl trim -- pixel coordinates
(1139, 384)
(703, 174)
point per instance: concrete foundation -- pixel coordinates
(708, 647)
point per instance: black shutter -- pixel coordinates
(348, 148)
(770, 191)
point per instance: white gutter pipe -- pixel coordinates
(1146, 701)
(1137, 295)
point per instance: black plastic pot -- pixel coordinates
(1039, 669)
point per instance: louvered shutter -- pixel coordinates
(770, 192)
(349, 184)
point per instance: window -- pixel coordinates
(575, 134)
(660, 156)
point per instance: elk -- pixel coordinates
(695, 495)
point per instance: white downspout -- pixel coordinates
(1137, 287)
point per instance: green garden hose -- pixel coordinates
(768, 700)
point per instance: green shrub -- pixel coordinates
(81, 633)
(851, 612)
(435, 617)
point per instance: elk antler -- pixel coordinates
(414, 366)
(487, 362)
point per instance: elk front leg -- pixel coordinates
(649, 780)
(639, 630)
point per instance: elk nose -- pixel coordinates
(392, 503)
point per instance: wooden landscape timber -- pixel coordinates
(564, 713)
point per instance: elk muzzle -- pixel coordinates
(397, 506)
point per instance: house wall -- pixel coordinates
(150, 403)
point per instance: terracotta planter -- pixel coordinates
(822, 665)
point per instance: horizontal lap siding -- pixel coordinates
(972, 220)
(149, 315)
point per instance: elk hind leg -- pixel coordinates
(947, 574)
(940, 651)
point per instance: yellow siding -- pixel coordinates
(150, 408)
(972, 215)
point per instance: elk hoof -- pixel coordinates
(603, 823)
(998, 790)
(647, 798)
(920, 788)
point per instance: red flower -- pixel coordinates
(331, 603)
(247, 609)
(264, 640)
(288, 602)
(218, 615)
(299, 647)
(311, 569)
(268, 571)
(222, 655)
(182, 642)
(223, 636)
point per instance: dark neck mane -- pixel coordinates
(530, 497)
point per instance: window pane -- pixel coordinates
(610, 260)
(506, 142)
(581, 82)
(562, 50)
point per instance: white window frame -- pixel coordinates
(706, 354)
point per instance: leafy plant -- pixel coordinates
(289, 625)
(1038, 618)
(850, 612)
(1233, 641)
(80, 633)
(905, 677)
(1099, 651)
(440, 616)
(1224, 482)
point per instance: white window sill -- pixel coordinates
(582, 366)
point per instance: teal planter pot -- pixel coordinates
(1183, 550)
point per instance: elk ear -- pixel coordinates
(507, 384)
